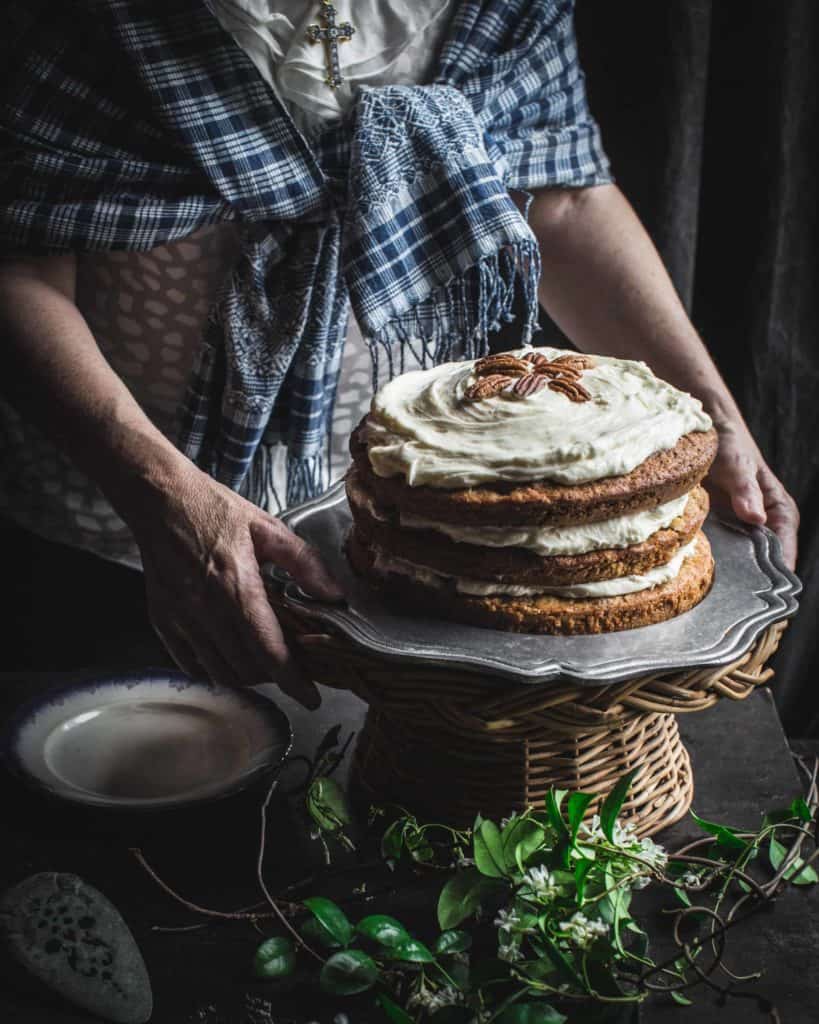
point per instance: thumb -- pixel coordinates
(747, 501)
(274, 542)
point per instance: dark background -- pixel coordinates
(709, 114)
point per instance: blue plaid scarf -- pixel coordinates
(129, 124)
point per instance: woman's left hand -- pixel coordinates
(741, 480)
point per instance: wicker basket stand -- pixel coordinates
(448, 743)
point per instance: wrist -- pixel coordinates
(720, 406)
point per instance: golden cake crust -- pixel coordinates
(660, 478)
(518, 565)
(546, 613)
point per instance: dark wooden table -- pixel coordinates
(742, 767)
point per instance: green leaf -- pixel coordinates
(452, 942)
(777, 853)
(638, 946)
(348, 972)
(724, 835)
(531, 1013)
(562, 964)
(575, 809)
(327, 804)
(412, 951)
(392, 842)
(678, 997)
(613, 803)
(316, 934)
(460, 897)
(393, 1010)
(800, 809)
(275, 958)
(682, 896)
(537, 969)
(489, 858)
(418, 846)
(620, 909)
(382, 929)
(554, 798)
(332, 918)
(582, 867)
(520, 839)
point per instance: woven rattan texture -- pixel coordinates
(448, 743)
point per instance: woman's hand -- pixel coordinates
(202, 546)
(741, 480)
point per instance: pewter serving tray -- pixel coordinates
(752, 589)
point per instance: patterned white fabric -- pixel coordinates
(394, 43)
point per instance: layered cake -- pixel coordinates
(536, 491)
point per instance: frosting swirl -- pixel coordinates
(421, 427)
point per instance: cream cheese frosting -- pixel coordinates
(421, 427)
(383, 563)
(619, 532)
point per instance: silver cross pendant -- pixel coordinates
(331, 35)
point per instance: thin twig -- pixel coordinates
(260, 876)
(224, 915)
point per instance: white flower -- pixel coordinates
(624, 835)
(507, 921)
(653, 853)
(625, 838)
(448, 996)
(542, 883)
(689, 878)
(591, 829)
(509, 951)
(582, 931)
(435, 999)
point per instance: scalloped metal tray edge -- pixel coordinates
(726, 629)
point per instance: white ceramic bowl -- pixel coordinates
(148, 740)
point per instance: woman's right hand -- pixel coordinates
(202, 546)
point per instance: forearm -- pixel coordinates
(605, 286)
(55, 374)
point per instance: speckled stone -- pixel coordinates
(70, 937)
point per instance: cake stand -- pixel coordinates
(464, 720)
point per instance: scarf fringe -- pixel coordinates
(307, 476)
(455, 321)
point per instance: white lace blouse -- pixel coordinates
(147, 310)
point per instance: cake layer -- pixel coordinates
(660, 478)
(545, 613)
(620, 532)
(438, 552)
(509, 419)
